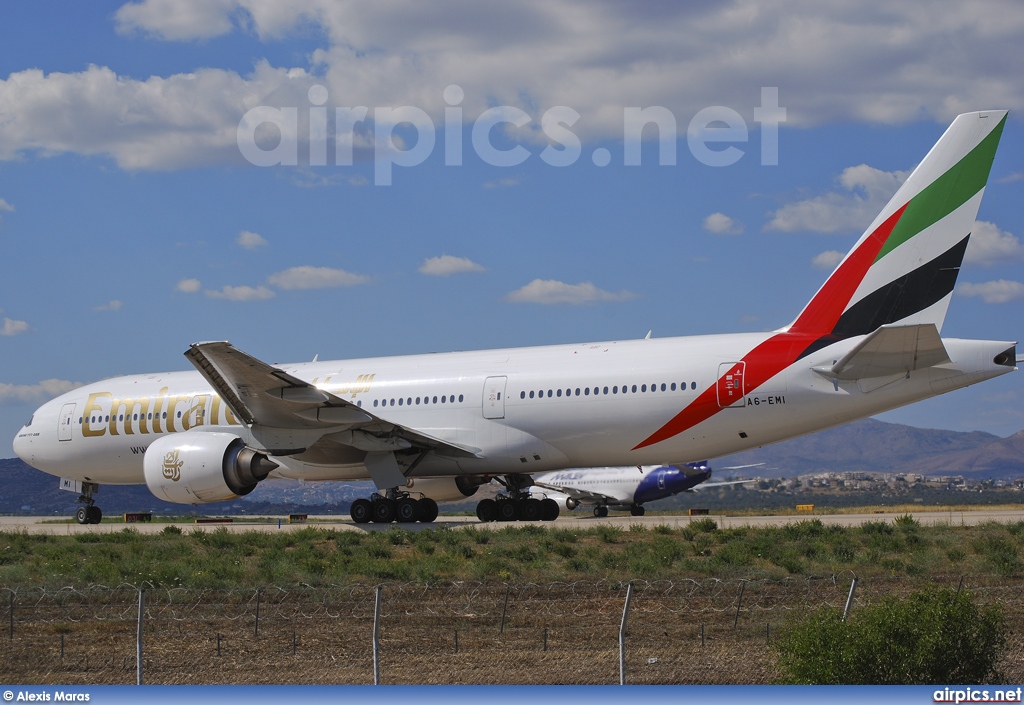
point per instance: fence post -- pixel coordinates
(376, 637)
(739, 603)
(257, 630)
(622, 634)
(849, 598)
(138, 638)
(504, 611)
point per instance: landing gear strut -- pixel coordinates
(393, 505)
(516, 503)
(88, 513)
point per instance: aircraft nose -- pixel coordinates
(21, 444)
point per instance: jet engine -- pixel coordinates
(446, 489)
(191, 468)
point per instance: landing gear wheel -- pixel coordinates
(486, 510)
(637, 510)
(82, 515)
(428, 510)
(384, 511)
(361, 511)
(600, 511)
(407, 510)
(529, 509)
(507, 510)
(94, 514)
(548, 509)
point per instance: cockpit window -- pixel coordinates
(30, 419)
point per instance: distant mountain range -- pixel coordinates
(875, 446)
(868, 446)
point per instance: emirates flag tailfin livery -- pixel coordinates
(430, 427)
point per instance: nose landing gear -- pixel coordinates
(89, 513)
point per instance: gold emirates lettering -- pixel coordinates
(104, 414)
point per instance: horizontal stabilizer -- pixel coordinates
(892, 350)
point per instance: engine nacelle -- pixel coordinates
(191, 468)
(446, 489)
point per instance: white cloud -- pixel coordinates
(114, 305)
(47, 389)
(721, 224)
(447, 265)
(241, 293)
(995, 292)
(990, 246)
(169, 19)
(250, 240)
(307, 277)
(848, 60)
(865, 192)
(549, 291)
(189, 286)
(12, 327)
(5, 206)
(827, 260)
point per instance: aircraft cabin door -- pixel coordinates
(64, 424)
(731, 392)
(494, 397)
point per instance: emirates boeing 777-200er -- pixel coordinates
(432, 427)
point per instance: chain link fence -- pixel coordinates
(679, 631)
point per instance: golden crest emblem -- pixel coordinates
(172, 466)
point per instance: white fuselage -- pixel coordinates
(521, 410)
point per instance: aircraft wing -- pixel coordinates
(578, 494)
(705, 485)
(261, 394)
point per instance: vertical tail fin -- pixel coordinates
(903, 269)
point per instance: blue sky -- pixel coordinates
(132, 225)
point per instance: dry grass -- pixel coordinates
(553, 634)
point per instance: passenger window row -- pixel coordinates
(409, 401)
(587, 391)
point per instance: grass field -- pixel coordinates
(516, 553)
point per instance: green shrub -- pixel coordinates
(608, 534)
(876, 527)
(705, 525)
(932, 636)
(907, 522)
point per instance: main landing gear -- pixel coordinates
(516, 504)
(637, 510)
(394, 505)
(89, 513)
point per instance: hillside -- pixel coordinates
(870, 446)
